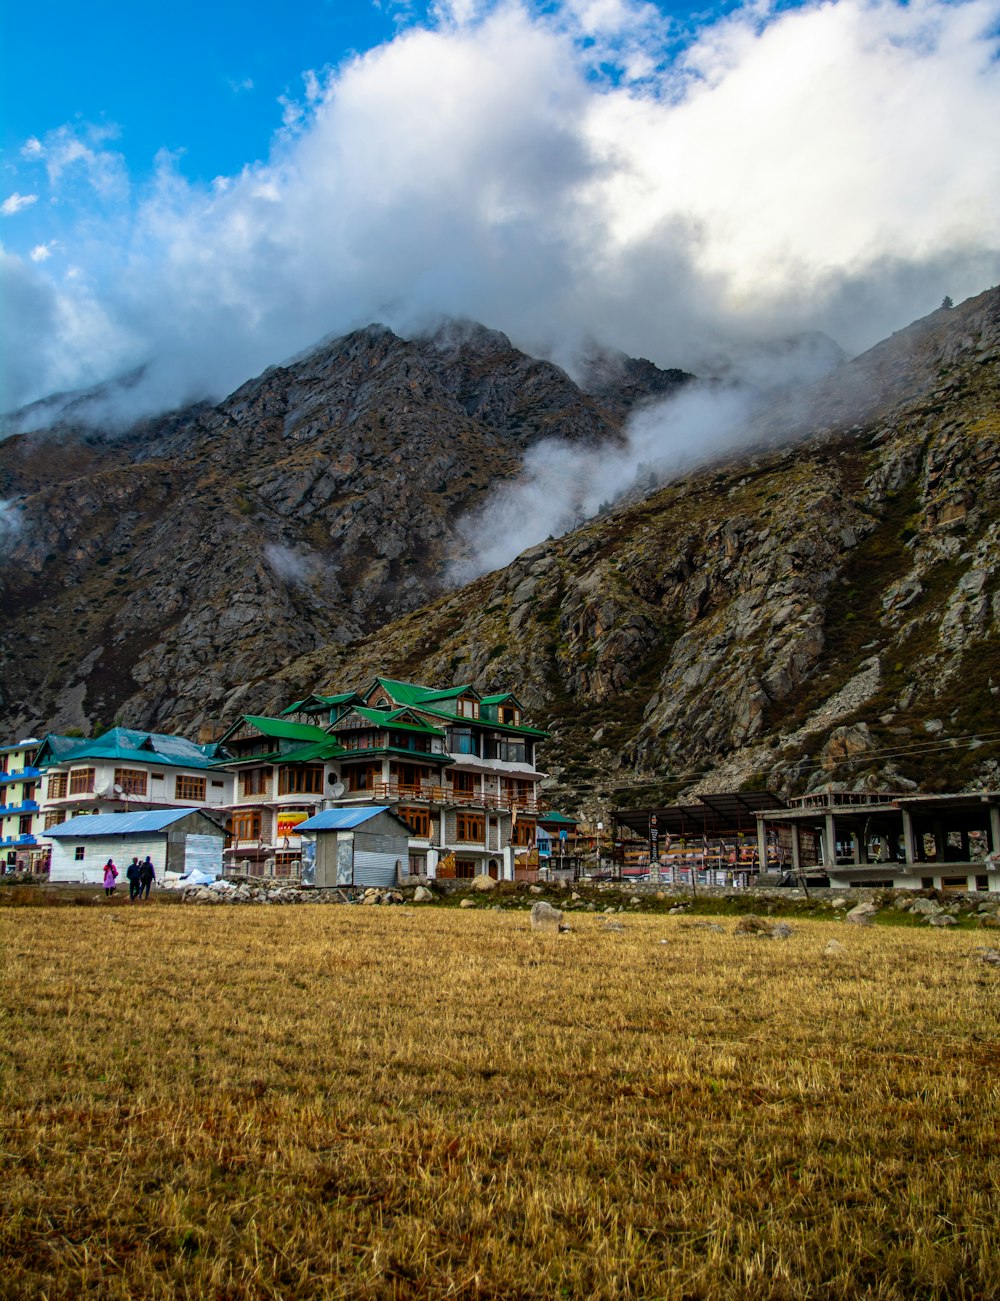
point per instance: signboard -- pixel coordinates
(288, 823)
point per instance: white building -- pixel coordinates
(124, 771)
(175, 840)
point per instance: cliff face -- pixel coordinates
(821, 609)
(148, 572)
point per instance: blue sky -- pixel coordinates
(202, 78)
(206, 189)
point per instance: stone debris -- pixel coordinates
(942, 919)
(545, 918)
(862, 914)
(751, 924)
(991, 956)
(482, 883)
(834, 949)
(422, 895)
(245, 892)
(535, 889)
(925, 907)
(467, 903)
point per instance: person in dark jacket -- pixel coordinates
(147, 876)
(132, 873)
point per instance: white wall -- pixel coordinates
(97, 851)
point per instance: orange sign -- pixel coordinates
(288, 823)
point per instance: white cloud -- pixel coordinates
(555, 173)
(42, 252)
(15, 202)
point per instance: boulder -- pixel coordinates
(545, 918)
(926, 907)
(535, 889)
(467, 903)
(834, 949)
(942, 919)
(751, 924)
(861, 914)
(990, 923)
(991, 956)
(422, 895)
(482, 883)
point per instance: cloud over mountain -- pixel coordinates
(582, 170)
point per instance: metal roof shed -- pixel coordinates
(176, 840)
(362, 845)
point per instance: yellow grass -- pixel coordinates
(347, 1102)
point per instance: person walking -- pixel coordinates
(134, 885)
(110, 876)
(147, 875)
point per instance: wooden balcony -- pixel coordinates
(425, 793)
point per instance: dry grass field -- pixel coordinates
(388, 1102)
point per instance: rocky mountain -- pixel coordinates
(822, 606)
(148, 571)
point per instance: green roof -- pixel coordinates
(330, 748)
(321, 702)
(557, 817)
(499, 699)
(280, 728)
(132, 746)
(392, 717)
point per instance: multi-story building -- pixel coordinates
(20, 811)
(457, 766)
(284, 771)
(125, 770)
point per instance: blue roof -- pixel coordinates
(342, 819)
(118, 824)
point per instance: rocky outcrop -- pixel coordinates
(825, 611)
(153, 570)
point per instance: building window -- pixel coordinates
(156, 776)
(78, 854)
(470, 827)
(508, 714)
(418, 820)
(81, 781)
(246, 824)
(301, 779)
(189, 788)
(464, 784)
(218, 785)
(510, 751)
(465, 868)
(462, 740)
(53, 819)
(57, 785)
(28, 791)
(523, 834)
(255, 781)
(132, 781)
(363, 778)
(24, 824)
(418, 865)
(467, 707)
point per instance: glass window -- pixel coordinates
(463, 740)
(189, 788)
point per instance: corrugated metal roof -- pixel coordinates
(118, 824)
(342, 819)
(127, 743)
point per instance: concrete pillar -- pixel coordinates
(857, 849)
(762, 843)
(829, 842)
(909, 841)
(994, 828)
(966, 848)
(796, 849)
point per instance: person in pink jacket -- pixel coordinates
(110, 875)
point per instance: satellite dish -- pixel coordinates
(338, 788)
(119, 790)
